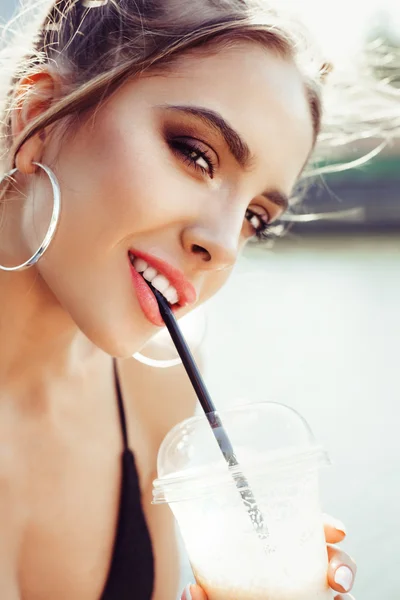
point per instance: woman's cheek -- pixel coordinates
(213, 283)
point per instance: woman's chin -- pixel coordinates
(120, 340)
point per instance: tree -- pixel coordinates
(382, 47)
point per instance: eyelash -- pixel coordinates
(186, 149)
(263, 232)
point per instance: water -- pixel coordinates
(315, 324)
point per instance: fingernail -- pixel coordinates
(344, 577)
(335, 523)
(186, 594)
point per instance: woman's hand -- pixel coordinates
(341, 571)
(342, 568)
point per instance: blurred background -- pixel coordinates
(313, 321)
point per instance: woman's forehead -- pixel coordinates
(260, 94)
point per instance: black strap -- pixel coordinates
(121, 409)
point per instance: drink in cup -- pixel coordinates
(278, 460)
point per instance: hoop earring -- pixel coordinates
(55, 217)
(194, 327)
(157, 364)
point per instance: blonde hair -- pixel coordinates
(95, 45)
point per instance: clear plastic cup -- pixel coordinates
(279, 459)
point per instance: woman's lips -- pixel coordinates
(186, 292)
(147, 300)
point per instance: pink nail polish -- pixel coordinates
(186, 594)
(335, 523)
(339, 526)
(344, 577)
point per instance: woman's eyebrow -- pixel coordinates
(278, 198)
(236, 144)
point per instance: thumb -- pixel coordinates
(193, 592)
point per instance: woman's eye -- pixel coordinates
(259, 222)
(195, 155)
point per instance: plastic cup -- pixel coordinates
(280, 459)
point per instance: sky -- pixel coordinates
(340, 25)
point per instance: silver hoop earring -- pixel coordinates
(194, 328)
(157, 364)
(55, 217)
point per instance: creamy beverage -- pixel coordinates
(276, 478)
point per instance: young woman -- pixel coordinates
(156, 135)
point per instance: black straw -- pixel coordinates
(209, 409)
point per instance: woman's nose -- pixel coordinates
(209, 250)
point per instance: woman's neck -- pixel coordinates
(39, 340)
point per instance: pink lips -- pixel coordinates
(148, 303)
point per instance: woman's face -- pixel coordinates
(183, 167)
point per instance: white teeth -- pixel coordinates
(175, 298)
(168, 294)
(171, 295)
(140, 265)
(150, 273)
(161, 283)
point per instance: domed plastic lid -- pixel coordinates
(268, 439)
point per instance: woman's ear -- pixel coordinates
(34, 95)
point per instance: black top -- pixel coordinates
(131, 575)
